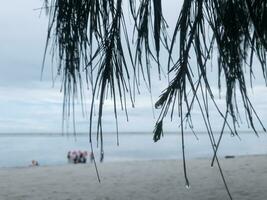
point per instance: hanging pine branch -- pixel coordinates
(91, 37)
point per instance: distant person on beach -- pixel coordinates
(92, 157)
(85, 154)
(81, 157)
(69, 157)
(75, 157)
(34, 163)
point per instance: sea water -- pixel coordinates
(18, 150)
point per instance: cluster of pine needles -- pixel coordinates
(90, 38)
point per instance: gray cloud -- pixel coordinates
(29, 105)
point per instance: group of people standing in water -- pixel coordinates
(81, 157)
(77, 157)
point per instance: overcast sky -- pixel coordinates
(30, 105)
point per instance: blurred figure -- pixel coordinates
(34, 163)
(75, 157)
(81, 157)
(84, 157)
(69, 157)
(92, 157)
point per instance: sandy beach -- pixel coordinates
(141, 180)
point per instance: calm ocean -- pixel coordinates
(19, 150)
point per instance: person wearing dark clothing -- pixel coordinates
(82, 158)
(92, 157)
(76, 159)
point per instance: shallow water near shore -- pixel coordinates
(18, 150)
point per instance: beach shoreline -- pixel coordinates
(246, 177)
(208, 158)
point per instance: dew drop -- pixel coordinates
(187, 186)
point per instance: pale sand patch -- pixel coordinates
(141, 180)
